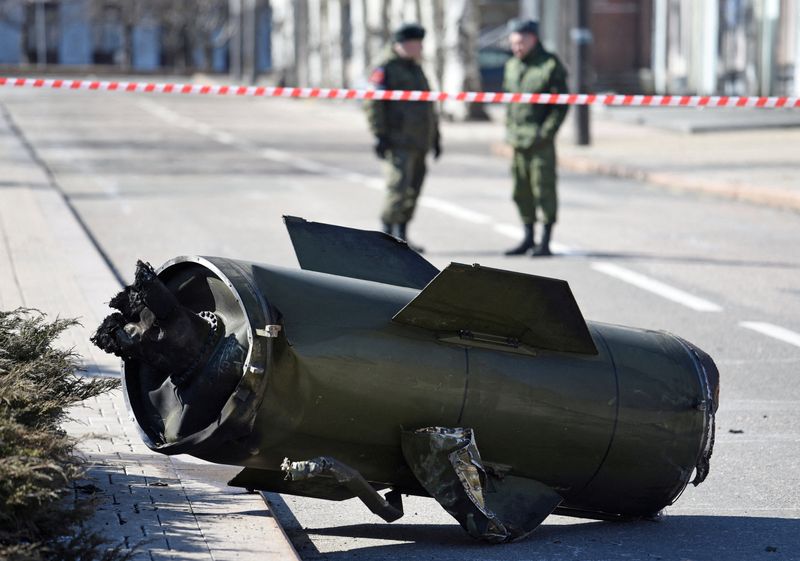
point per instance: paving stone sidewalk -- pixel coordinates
(170, 507)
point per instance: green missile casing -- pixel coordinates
(485, 389)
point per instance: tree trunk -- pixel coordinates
(186, 50)
(470, 29)
(460, 70)
(24, 59)
(386, 22)
(127, 47)
(208, 56)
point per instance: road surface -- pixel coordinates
(152, 177)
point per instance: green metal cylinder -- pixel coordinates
(617, 433)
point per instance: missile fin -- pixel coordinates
(490, 506)
(358, 254)
(506, 310)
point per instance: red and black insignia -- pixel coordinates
(377, 77)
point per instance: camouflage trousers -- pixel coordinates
(405, 173)
(534, 171)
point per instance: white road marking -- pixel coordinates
(160, 111)
(657, 287)
(223, 137)
(275, 155)
(374, 183)
(774, 331)
(454, 210)
(508, 230)
(199, 128)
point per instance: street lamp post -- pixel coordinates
(41, 34)
(582, 38)
(248, 35)
(235, 40)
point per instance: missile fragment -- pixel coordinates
(369, 369)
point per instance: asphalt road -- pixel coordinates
(155, 177)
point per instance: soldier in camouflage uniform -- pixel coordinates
(404, 130)
(531, 131)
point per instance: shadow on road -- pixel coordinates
(631, 256)
(697, 538)
(687, 259)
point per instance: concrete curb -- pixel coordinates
(777, 198)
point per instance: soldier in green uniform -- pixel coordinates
(531, 131)
(404, 130)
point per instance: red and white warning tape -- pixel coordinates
(402, 95)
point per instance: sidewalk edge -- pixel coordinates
(776, 198)
(279, 524)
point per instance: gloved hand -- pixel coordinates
(539, 141)
(381, 147)
(437, 148)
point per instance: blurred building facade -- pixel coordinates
(733, 47)
(730, 47)
(337, 42)
(126, 35)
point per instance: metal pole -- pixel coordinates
(796, 34)
(660, 46)
(235, 41)
(530, 9)
(710, 48)
(301, 52)
(771, 11)
(249, 41)
(582, 38)
(41, 35)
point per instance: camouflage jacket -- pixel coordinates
(405, 124)
(539, 72)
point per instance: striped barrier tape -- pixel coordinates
(404, 95)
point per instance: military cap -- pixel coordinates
(409, 31)
(521, 25)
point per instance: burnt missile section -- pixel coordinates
(369, 373)
(187, 361)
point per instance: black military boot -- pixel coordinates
(526, 244)
(543, 249)
(402, 234)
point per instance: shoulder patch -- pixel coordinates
(377, 77)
